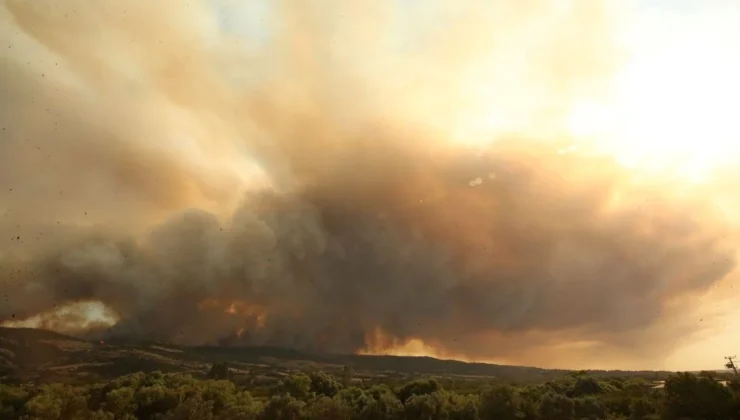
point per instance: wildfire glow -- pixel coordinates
(255, 313)
(70, 318)
(379, 343)
(667, 110)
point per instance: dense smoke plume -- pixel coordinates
(303, 184)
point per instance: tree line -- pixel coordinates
(323, 396)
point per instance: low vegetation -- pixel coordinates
(47, 376)
(321, 396)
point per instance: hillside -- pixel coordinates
(44, 356)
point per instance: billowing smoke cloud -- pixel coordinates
(297, 186)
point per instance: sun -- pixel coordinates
(673, 107)
(669, 109)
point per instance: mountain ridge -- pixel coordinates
(39, 355)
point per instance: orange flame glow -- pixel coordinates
(70, 318)
(380, 343)
(255, 315)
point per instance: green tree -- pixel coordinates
(694, 397)
(589, 408)
(283, 407)
(221, 393)
(220, 371)
(556, 407)
(242, 407)
(12, 401)
(58, 401)
(562, 385)
(155, 400)
(324, 384)
(347, 375)
(100, 415)
(499, 403)
(426, 407)
(297, 385)
(193, 408)
(418, 387)
(642, 409)
(463, 407)
(585, 386)
(380, 403)
(120, 402)
(326, 408)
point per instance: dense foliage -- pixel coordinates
(318, 395)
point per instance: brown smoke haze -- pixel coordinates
(307, 186)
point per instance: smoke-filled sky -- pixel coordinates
(533, 182)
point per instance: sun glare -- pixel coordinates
(671, 110)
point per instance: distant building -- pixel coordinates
(661, 384)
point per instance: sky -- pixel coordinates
(670, 43)
(548, 183)
(704, 38)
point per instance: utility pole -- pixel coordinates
(731, 363)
